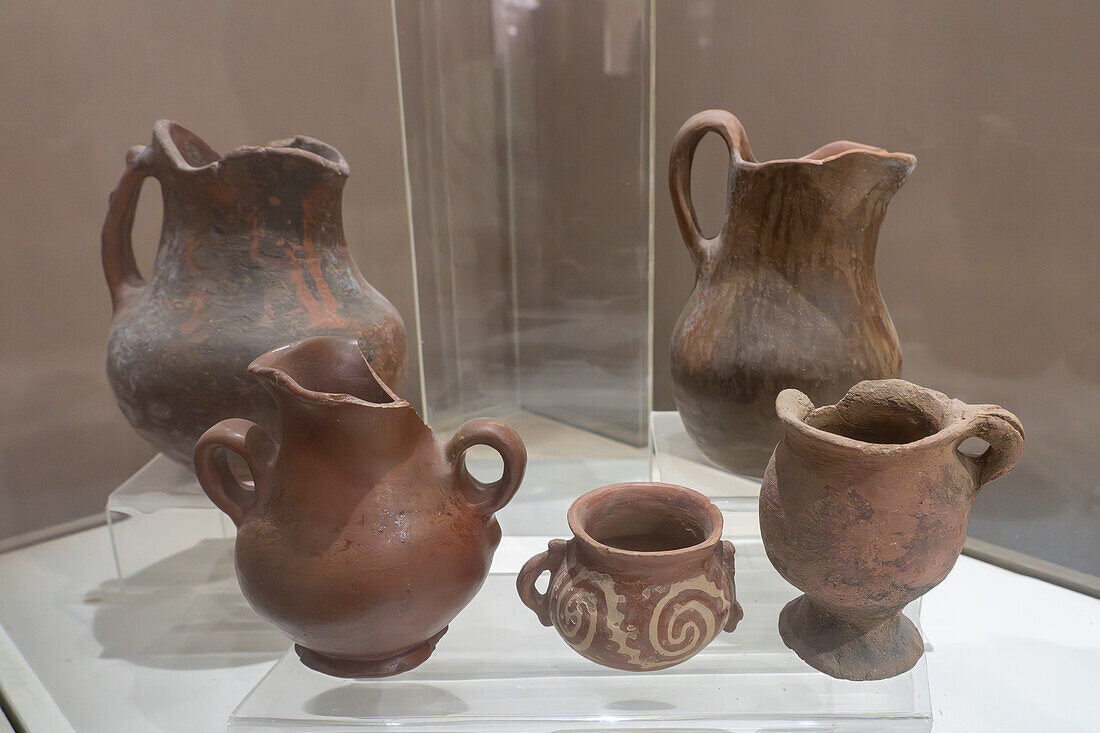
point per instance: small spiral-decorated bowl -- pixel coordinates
(645, 583)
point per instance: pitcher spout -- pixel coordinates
(324, 371)
(837, 181)
(331, 402)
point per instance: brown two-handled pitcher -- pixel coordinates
(864, 508)
(785, 294)
(364, 535)
(252, 256)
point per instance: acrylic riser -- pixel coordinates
(139, 512)
(563, 463)
(497, 668)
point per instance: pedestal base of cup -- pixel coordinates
(848, 651)
(367, 668)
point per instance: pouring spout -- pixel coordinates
(331, 402)
(324, 371)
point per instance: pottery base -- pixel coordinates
(844, 652)
(365, 668)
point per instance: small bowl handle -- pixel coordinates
(736, 612)
(525, 582)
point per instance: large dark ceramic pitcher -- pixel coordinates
(252, 255)
(365, 534)
(785, 294)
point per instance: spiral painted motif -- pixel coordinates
(670, 622)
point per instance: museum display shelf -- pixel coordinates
(498, 668)
(183, 653)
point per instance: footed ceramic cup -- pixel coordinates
(864, 508)
(645, 583)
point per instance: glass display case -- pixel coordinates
(534, 267)
(508, 193)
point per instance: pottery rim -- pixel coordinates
(167, 134)
(825, 155)
(949, 416)
(271, 366)
(704, 512)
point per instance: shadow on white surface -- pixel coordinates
(400, 699)
(183, 612)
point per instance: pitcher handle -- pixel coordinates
(250, 442)
(1005, 435)
(124, 280)
(530, 572)
(487, 499)
(679, 174)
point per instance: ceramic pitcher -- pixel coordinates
(252, 255)
(864, 508)
(365, 535)
(785, 294)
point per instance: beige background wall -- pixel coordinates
(81, 84)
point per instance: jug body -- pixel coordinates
(785, 295)
(366, 535)
(864, 508)
(251, 256)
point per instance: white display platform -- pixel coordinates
(676, 460)
(498, 668)
(1011, 654)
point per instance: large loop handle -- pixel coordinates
(250, 442)
(679, 174)
(124, 279)
(488, 498)
(736, 612)
(525, 582)
(1005, 435)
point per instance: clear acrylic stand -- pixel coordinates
(497, 668)
(563, 462)
(676, 460)
(141, 512)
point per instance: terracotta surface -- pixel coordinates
(365, 534)
(864, 508)
(252, 255)
(645, 583)
(785, 294)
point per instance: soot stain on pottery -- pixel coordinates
(252, 255)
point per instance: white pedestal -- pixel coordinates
(497, 668)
